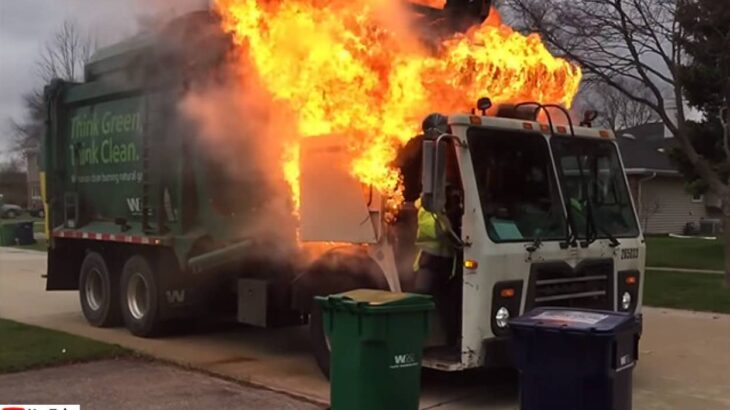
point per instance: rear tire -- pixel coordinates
(335, 272)
(320, 342)
(139, 296)
(97, 292)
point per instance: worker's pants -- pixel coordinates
(435, 276)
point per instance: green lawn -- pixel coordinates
(24, 347)
(38, 226)
(684, 253)
(691, 291)
(23, 218)
(40, 245)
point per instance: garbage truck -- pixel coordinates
(143, 222)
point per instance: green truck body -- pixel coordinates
(120, 160)
(125, 174)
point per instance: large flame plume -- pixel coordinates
(359, 70)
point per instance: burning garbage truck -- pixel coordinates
(243, 160)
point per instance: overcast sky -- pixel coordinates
(25, 25)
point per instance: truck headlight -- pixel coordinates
(502, 317)
(626, 301)
(506, 299)
(628, 287)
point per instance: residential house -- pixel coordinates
(662, 201)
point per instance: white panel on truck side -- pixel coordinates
(334, 205)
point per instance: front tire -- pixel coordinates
(320, 341)
(139, 297)
(97, 292)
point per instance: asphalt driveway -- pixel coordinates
(136, 384)
(684, 355)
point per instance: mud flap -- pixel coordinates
(180, 293)
(63, 267)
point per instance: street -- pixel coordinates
(683, 355)
(137, 384)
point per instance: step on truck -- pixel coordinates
(143, 225)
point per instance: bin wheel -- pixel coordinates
(139, 297)
(320, 341)
(97, 292)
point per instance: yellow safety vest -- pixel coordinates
(433, 233)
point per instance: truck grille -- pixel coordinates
(588, 285)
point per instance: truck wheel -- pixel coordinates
(139, 297)
(97, 290)
(320, 341)
(335, 272)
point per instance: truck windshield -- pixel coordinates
(517, 185)
(594, 187)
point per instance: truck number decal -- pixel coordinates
(630, 253)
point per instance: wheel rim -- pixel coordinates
(137, 296)
(327, 342)
(94, 289)
(325, 336)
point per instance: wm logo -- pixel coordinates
(175, 296)
(403, 358)
(134, 205)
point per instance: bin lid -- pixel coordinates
(586, 320)
(377, 300)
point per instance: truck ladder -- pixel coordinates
(146, 182)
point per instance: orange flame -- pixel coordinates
(438, 4)
(355, 69)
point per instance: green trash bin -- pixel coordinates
(7, 234)
(377, 342)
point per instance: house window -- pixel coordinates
(698, 198)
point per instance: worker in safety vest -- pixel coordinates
(434, 264)
(435, 267)
(438, 242)
(435, 240)
(436, 249)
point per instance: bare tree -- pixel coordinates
(618, 43)
(63, 56)
(66, 53)
(625, 42)
(13, 188)
(616, 110)
(648, 210)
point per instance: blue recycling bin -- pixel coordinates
(575, 359)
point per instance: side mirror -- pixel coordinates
(433, 197)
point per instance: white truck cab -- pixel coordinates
(548, 220)
(545, 218)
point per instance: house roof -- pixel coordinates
(644, 148)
